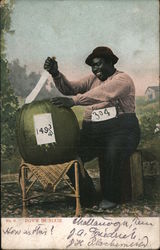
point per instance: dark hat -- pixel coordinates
(103, 52)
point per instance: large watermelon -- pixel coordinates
(42, 141)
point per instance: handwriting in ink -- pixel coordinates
(109, 232)
(72, 236)
(140, 222)
(38, 230)
(75, 243)
(95, 232)
(140, 243)
(12, 231)
(94, 222)
(79, 232)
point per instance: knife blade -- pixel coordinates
(37, 88)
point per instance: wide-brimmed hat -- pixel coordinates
(103, 52)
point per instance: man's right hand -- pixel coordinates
(51, 66)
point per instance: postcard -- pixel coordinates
(80, 162)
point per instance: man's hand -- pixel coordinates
(63, 102)
(51, 66)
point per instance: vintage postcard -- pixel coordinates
(80, 129)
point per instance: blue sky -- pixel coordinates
(71, 29)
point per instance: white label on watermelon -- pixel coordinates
(44, 130)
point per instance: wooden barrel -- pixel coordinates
(47, 134)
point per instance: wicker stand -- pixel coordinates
(49, 177)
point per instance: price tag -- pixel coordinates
(44, 130)
(103, 114)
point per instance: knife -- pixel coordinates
(38, 86)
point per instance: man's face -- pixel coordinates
(101, 68)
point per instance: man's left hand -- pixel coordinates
(63, 102)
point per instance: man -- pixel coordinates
(110, 129)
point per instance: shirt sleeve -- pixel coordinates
(107, 91)
(67, 87)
